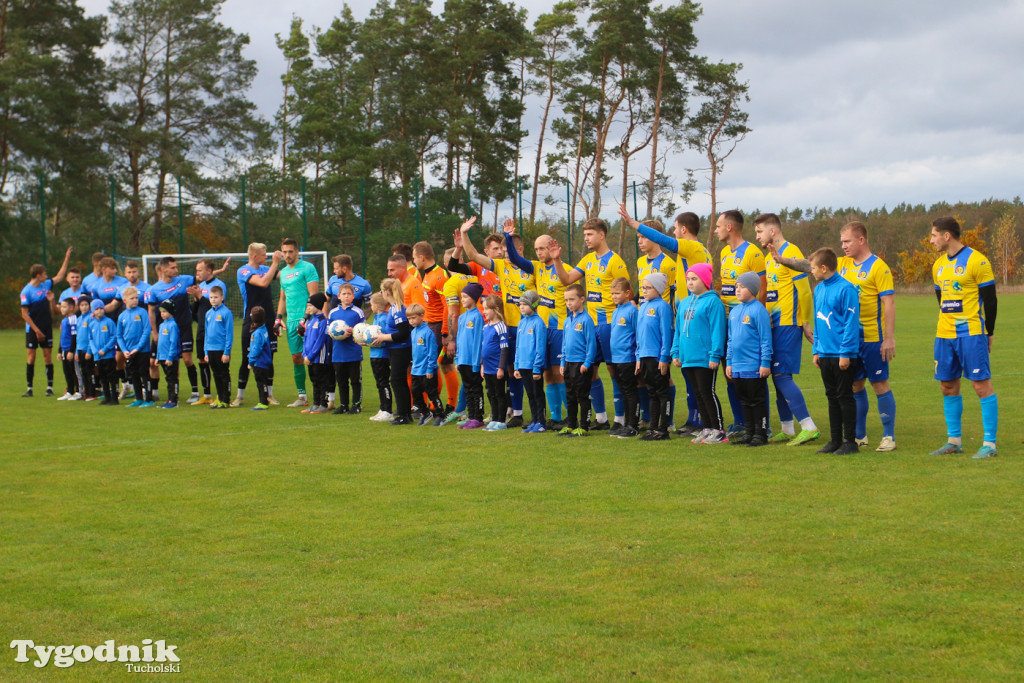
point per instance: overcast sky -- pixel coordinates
(851, 104)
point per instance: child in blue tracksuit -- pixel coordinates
(579, 351)
(346, 354)
(654, 352)
(469, 352)
(261, 359)
(494, 352)
(698, 349)
(424, 366)
(168, 351)
(133, 335)
(623, 360)
(380, 363)
(68, 331)
(749, 358)
(86, 364)
(836, 348)
(531, 358)
(316, 353)
(220, 336)
(102, 337)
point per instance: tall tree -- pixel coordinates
(181, 77)
(720, 124)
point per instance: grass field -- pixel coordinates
(280, 546)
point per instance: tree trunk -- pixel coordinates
(655, 126)
(540, 146)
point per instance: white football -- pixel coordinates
(365, 334)
(339, 330)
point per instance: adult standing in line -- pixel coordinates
(254, 280)
(299, 281)
(174, 287)
(37, 312)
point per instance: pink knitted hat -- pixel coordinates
(703, 271)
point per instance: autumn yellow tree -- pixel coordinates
(1006, 249)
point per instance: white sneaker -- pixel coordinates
(887, 444)
(271, 401)
(65, 397)
(300, 402)
(382, 416)
(716, 437)
(193, 398)
(701, 435)
(237, 402)
(862, 442)
(124, 392)
(75, 397)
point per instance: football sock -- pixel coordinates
(953, 408)
(788, 428)
(461, 406)
(451, 383)
(887, 413)
(861, 398)
(785, 414)
(597, 398)
(618, 403)
(30, 371)
(643, 395)
(49, 375)
(808, 424)
(793, 399)
(561, 397)
(554, 401)
(241, 392)
(299, 373)
(692, 407)
(515, 390)
(734, 403)
(990, 418)
(193, 377)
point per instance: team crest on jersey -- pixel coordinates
(579, 327)
(959, 270)
(104, 328)
(419, 341)
(600, 269)
(737, 260)
(651, 312)
(863, 275)
(746, 320)
(137, 317)
(163, 332)
(469, 324)
(219, 319)
(622, 322)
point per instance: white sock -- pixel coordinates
(955, 440)
(601, 417)
(517, 413)
(241, 392)
(990, 444)
(620, 420)
(808, 424)
(330, 397)
(270, 391)
(787, 427)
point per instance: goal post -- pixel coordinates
(233, 297)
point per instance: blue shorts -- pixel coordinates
(870, 365)
(554, 348)
(510, 366)
(787, 345)
(962, 357)
(604, 343)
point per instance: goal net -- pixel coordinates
(233, 298)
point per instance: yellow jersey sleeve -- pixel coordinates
(453, 288)
(514, 283)
(958, 280)
(691, 252)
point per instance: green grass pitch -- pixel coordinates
(280, 546)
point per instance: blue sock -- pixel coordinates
(767, 410)
(734, 403)
(990, 417)
(461, 406)
(515, 389)
(692, 409)
(618, 403)
(953, 408)
(861, 399)
(644, 398)
(554, 404)
(672, 404)
(597, 396)
(793, 398)
(785, 414)
(887, 412)
(561, 397)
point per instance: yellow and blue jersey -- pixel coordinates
(957, 279)
(599, 271)
(514, 283)
(744, 258)
(690, 253)
(873, 280)
(659, 264)
(551, 308)
(789, 291)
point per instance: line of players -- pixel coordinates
(503, 270)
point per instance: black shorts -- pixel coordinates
(31, 342)
(185, 336)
